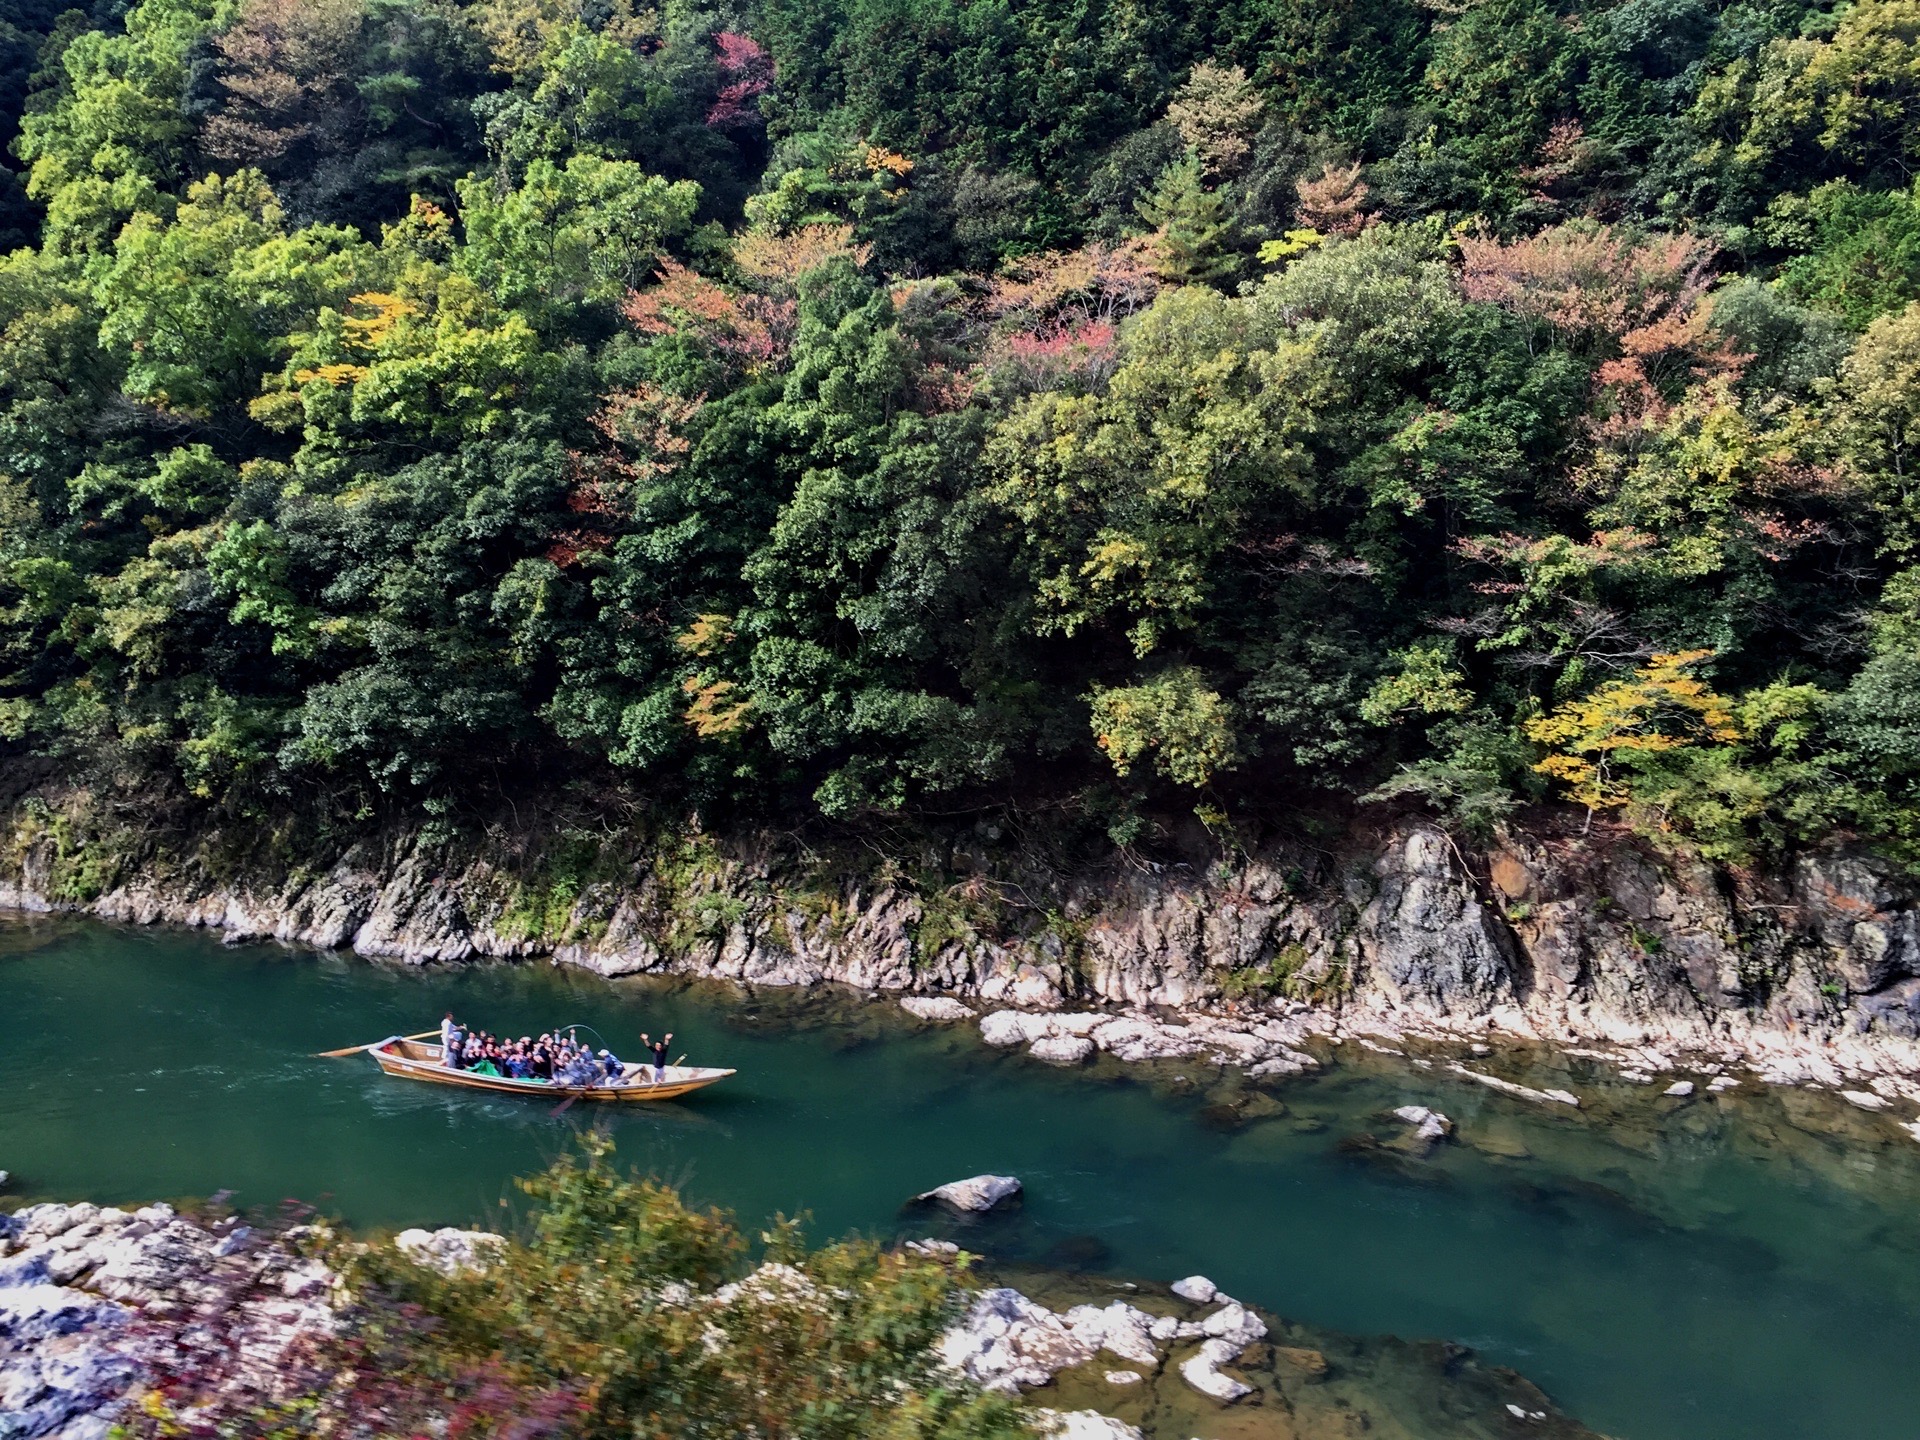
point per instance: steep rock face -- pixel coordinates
(1566, 935)
(1425, 938)
(1868, 927)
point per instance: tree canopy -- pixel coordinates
(863, 407)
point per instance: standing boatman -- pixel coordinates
(450, 1038)
(659, 1049)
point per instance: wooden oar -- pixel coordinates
(356, 1049)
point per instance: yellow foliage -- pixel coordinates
(1661, 708)
(706, 635)
(883, 161)
(367, 332)
(335, 375)
(711, 710)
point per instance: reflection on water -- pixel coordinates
(1723, 1267)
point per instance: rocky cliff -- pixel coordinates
(1557, 935)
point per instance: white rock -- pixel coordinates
(1062, 1049)
(1197, 1288)
(941, 1008)
(1117, 1328)
(1122, 1377)
(976, 1194)
(449, 1251)
(1722, 1082)
(772, 1284)
(1134, 1038)
(1288, 1062)
(1007, 1342)
(1866, 1100)
(1680, 1089)
(1428, 1125)
(932, 1249)
(1520, 1092)
(1912, 1127)
(1082, 1022)
(1234, 1323)
(1083, 1424)
(1202, 1371)
(1014, 1027)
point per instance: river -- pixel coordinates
(1727, 1267)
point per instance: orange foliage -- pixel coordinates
(1331, 203)
(882, 161)
(687, 303)
(1643, 300)
(712, 710)
(778, 261)
(1107, 281)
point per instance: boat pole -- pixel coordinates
(356, 1049)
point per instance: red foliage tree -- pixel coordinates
(746, 71)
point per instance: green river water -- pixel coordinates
(1733, 1267)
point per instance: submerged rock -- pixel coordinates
(1429, 1126)
(940, 1008)
(976, 1195)
(1866, 1100)
(1519, 1092)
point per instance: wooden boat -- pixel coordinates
(418, 1060)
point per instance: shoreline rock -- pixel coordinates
(1807, 976)
(95, 1300)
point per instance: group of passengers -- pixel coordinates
(556, 1059)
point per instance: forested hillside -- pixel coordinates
(846, 406)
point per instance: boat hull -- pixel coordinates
(414, 1060)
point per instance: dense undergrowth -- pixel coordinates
(617, 1310)
(869, 407)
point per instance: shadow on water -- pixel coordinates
(1739, 1267)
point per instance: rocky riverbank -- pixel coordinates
(98, 1305)
(1811, 975)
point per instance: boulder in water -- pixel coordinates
(1062, 1049)
(1202, 1371)
(976, 1195)
(1429, 1127)
(1197, 1288)
(942, 1009)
